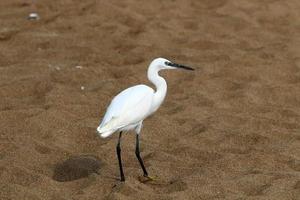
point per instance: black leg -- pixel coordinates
(137, 153)
(119, 157)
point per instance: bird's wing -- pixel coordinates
(128, 107)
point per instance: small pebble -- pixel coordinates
(33, 16)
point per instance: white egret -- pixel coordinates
(130, 107)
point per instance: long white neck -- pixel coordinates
(160, 84)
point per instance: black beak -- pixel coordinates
(178, 66)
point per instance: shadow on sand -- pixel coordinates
(76, 167)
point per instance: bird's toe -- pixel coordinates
(145, 179)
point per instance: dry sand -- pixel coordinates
(229, 130)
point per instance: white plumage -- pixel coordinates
(126, 110)
(130, 107)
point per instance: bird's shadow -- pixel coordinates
(76, 167)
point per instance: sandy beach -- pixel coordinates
(228, 130)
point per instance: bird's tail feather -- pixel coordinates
(108, 128)
(106, 134)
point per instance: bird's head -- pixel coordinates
(163, 63)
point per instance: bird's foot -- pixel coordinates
(146, 178)
(152, 178)
(119, 184)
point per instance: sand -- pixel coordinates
(229, 130)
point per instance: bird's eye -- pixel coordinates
(168, 63)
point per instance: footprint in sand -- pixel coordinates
(174, 185)
(21, 176)
(257, 190)
(42, 149)
(294, 164)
